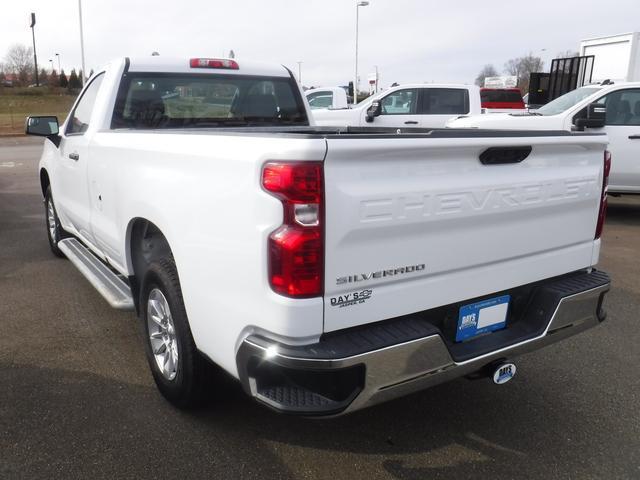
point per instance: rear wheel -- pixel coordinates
(55, 232)
(176, 365)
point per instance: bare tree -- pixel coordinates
(19, 61)
(567, 54)
(487, 71)
(522, 68)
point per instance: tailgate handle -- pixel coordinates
(503, 155)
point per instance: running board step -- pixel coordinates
(109, 285)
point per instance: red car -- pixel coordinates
(501, 98)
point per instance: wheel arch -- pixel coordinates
(145, 242)
(45, 182)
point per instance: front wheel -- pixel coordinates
(55, 232)
(175, 363)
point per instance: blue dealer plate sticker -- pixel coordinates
(482, 317)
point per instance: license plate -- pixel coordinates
(482, 317)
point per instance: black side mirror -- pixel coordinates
(596, 116)
(42, 126)
(373, 111)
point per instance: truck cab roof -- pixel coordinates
(183, 65)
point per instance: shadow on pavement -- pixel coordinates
(624, 210)
(80, 425)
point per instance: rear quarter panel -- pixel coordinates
(204, 193)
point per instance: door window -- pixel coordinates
(400, 102)
(445, 101)
(623, 107)
(79, 121)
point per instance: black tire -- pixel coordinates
(58, 232)
(186, 390)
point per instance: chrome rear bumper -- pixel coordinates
(318, 380)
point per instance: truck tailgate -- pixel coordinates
(417, 223)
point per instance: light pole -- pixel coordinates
(35, 58)
(58, 55)
(51, 64)
(84, 73)
(359, 3)
(299, 72)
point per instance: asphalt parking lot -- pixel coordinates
(77, 399)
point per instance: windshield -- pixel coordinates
(163, 100)
(566, 101)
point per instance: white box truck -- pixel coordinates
(617, 57)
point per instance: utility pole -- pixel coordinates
(360, 3)
(58, 55)
(377, 77)
(84, 72)
(299, 72)
(35, 57)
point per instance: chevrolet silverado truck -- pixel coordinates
(327, 269)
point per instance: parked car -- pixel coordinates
(497, 100)
(419, 105)
(327, 97)
(611, 108)
(327, 269)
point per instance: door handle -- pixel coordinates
(411, 122)
(634, 137)
(74, 156)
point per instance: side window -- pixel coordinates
(623, 107)
(400, 102)
(320, 99)
(79, 121)
(445, 101)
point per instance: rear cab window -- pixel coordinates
(444, 101)
(167, 100)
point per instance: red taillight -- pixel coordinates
(214, 63)
(602, 214)
(296, 248)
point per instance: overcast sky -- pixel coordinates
(409, 40)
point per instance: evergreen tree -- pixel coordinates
(81, 78)
(54, 79)
(91, 73)
(64, 83)
(43, 78)
(74, 81)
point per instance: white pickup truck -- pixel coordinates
(327, 269)
(425, 105)
(611, 108)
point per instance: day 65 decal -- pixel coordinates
(349, 299)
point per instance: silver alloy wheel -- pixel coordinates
(162, 334)
(51, 221)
